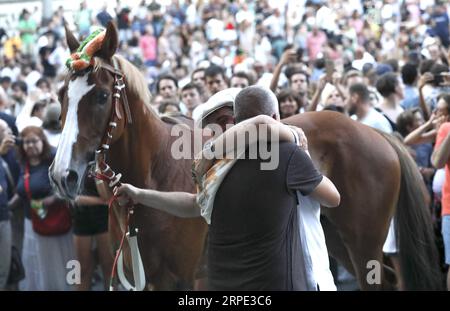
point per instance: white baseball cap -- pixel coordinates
(224, 98)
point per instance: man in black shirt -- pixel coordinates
(253, 237)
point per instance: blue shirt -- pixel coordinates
(39, 184)
(441, 27)
(411, 98)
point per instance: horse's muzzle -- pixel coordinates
(66, 185)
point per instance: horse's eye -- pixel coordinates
(102, 96)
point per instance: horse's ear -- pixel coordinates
(72, 42)
(110, 42)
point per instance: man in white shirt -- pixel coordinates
(362, 111)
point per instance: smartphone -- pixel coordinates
(329, 69)
(438, 79)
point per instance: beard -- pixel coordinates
(352, 110)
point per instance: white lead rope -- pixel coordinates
(138, 267)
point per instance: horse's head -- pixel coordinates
(86, 101)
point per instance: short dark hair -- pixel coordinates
(215, 70)
(290, 71)
(361, 90)
(20, 84)
(409, 73)
(197, 70)
(252, 101)
(5, 79)
(426, 65)
(166, 77)
(243, 75)
(386, 84)
(190, 86)
(41, 81)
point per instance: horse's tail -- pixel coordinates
(414, 230)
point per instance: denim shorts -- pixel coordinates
(446, 237)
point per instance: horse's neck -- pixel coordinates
(142, 143)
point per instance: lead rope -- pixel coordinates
(104, 173)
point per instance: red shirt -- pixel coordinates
(442, 134)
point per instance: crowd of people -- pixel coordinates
(384, 63)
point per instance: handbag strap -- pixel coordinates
(26, 179)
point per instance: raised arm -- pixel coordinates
(289, 56)
(426, 78)
(423, 134)
(181, 204)
(316, 98)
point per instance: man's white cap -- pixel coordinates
(224, 98)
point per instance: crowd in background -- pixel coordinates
(382, 62)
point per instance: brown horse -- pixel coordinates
(377, 179)
(170, 247)
(374, 174)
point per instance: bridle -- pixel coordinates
(102, 172)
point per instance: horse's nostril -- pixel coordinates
(70, 181)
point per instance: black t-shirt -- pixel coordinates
(253, 237)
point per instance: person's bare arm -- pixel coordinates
(276, 131)
(181, 204)
(426, 78)
(89, 200)
(337, 83)
(326, 193)
(423, 134)
(289, 56)
(316, 98)
(441, 155)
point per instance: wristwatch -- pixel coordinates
(208, 150)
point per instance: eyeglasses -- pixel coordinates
(31, 141)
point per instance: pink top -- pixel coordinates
(148, 46)
(315, 43)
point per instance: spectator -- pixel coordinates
(289, 103)
(392, 92)
(5, 224)
(45, 257)
(167, 86)
(240, 80)
(190, 97)
(411, 93)
(215, 79)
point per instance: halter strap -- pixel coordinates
(119, 90)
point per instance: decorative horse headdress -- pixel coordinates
(83, 57)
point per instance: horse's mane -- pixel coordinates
(135, 81)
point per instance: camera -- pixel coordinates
(18, 141)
